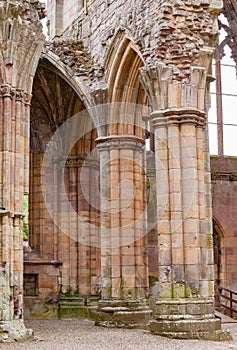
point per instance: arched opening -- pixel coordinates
(218, 254)
(129, 118)
(62, 258)
(126, 93)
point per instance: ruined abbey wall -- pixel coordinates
(128, 71)
(173, 32)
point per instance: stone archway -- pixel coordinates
(218, 254)
(59, 266)
(124, 270)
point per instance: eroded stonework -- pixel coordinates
(117, 232)
(21, 45)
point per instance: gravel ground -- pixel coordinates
(83, 335)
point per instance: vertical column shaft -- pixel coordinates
(124, 268)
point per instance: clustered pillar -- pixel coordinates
(185, 251)
(14, 150)
(21, 44)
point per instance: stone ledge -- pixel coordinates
(43, 262)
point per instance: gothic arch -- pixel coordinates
(125, 91)
(219, 258)
(57, 97)
(122, 63)
(68, 75)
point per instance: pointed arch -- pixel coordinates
(68, 75)
(122, 66)
(122, 69)
(218, 249)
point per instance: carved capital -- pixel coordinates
(19, 95)
(120, 142)
(155, 81)
(216, 6)
(82, 161)
(178, 116)
(165, 92)
(5, 212)
(205, 57)
(6, 90)
(27, 98)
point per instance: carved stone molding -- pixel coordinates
(120, 142)
(178, 116)
(19, 95)
(6, 90)
(27, 98)
(165, 92)
(82, 161)
(78, 162)
(13, 214)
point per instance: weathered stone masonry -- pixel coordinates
(21, 45)
(175, 42)
(145, 62)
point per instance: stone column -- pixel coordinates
(124, 270)
(12, 154)
(184, 307)
(21, 29)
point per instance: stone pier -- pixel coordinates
(184, 305)
(124, 268)
(21, 45)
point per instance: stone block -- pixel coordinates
(178, 257)
(164, 258)
(165, 290)
(191, 256)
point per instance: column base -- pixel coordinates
(12, 331)
(123, 314)
(187, 319)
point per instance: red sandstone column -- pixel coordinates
(124, 270)
(21, 29)
(12, 190)
(185, 251)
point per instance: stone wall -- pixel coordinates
(41, 288)
(224, 188)
(161, 52)
(173, 32)
(62, 13)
